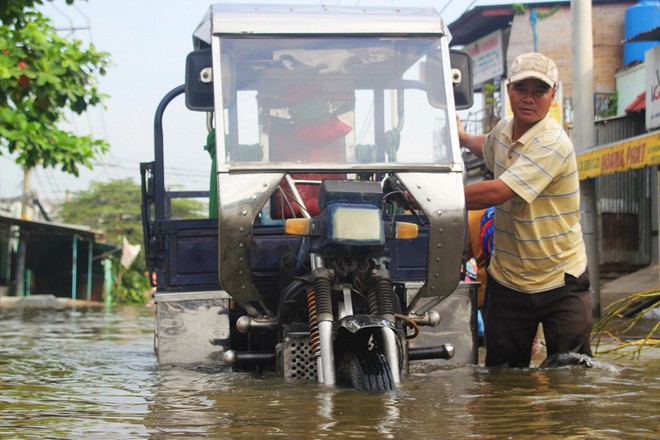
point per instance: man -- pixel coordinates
(538, 269)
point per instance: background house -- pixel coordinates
(46, 258)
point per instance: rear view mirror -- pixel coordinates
(461, 78)
(199, 80)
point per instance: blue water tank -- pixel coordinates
(639, 18)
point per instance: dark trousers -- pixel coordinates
(512, 320)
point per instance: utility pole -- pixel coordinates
(20, 254)
(26, 194)
(584, 134)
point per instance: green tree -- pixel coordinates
(113, 208)
(42, 75)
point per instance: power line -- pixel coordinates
(74, 118)
(104, 127)
(37, 176)
(68, 19)
(446, 6)
(89, 26)
(52, 183)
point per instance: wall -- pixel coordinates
(629, 84)
(555, 39)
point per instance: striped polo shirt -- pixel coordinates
(538, 237)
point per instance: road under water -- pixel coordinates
(91, 373)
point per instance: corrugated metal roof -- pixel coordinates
(51, 226)
(649, 35)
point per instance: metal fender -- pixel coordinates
(355, 323)
(441, 197)
(241, 197)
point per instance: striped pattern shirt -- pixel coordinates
(538, 237)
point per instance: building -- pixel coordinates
(46, 258)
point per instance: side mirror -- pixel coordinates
(199, 80)
(461, 78)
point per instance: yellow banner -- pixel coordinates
(637, 152)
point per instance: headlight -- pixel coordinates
(358, 224)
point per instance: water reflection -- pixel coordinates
(91, 373)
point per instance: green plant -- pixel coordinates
(622, 316)
(492, 102)
(521, 9)
(614, 104)
(131, 286)
(114, 209)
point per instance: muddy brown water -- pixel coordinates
(86, 373)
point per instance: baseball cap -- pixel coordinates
(534, 65)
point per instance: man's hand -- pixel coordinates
(473, 142)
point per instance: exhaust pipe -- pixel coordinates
(444, 351)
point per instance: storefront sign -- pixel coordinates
(632, 153)
(487, 57)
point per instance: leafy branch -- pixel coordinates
(42, 75)
(521, 9)
(634, 307)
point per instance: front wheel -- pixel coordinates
(366, 370)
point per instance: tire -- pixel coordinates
(367, 371)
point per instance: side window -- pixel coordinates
(243, 141)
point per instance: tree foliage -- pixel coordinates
(43, 75)
(114, 208)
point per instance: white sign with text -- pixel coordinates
(652, 63)
(487, 57)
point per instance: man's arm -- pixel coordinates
(487, 193)
(473, 142)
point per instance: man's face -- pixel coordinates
(530, 100)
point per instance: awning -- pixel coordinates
(479, 22)
(638, 104)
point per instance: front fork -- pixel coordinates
(319, 305)
(381, 302)
(321, 318)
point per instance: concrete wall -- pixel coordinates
(630, 83)
(555, 38)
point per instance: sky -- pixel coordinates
(148, 41)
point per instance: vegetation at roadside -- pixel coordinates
(42, 77)
(622, 316)
(114, 209)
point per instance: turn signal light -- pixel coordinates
(298, 226)
(406, 230)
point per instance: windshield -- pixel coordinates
(359, 100)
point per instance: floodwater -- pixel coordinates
(91, 373)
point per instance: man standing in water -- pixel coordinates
(538, 269)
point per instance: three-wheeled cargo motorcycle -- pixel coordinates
(335, 235)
